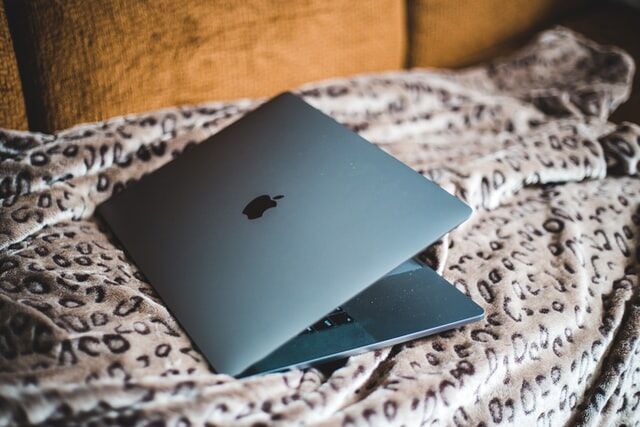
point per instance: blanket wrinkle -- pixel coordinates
(587, 79)
(616, 372)
(620, 148)
(550, 253)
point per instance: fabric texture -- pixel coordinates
(551, 253)
(616, 25)
(12, 111)
(445, 33)
(99, 59)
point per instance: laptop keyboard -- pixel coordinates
(336, 318)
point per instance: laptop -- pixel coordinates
(286, 240)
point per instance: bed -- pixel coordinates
(550, 253)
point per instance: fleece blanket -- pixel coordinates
(551, 253)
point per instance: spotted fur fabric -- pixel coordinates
(550, 253)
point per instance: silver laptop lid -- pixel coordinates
(257, 232)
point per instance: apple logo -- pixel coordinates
(259, 205)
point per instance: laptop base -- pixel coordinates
(410, 304)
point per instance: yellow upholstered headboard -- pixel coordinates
(12, 111)
(89, 60)
(95, 59)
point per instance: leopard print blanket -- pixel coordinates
(550, 253)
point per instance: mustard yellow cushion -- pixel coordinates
(96, 59)
(12, 111)
(452, 33)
